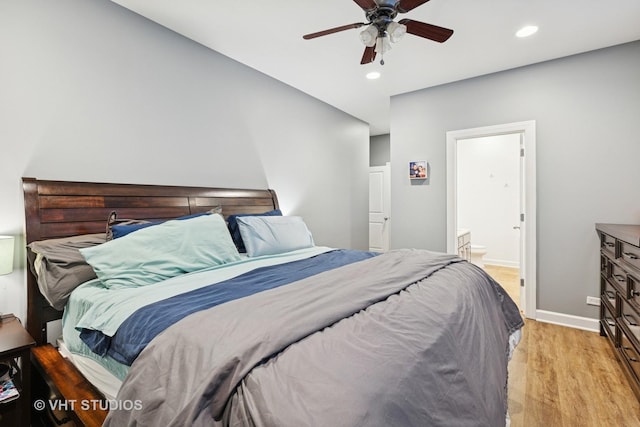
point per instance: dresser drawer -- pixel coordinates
(608, 293)
(619, 278)
(630, 320)
(608, 244)
(630, 254)
(605, 265)
(633, 289)
(607, 319)
(630, 356)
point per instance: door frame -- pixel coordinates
(527, 129)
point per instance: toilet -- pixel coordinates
(477, 254)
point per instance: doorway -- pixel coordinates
(488, 205)
(379, 207)
(521, 224)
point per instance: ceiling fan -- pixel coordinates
(381, 27)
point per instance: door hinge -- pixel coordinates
(522, 152)
(522, 283)
(521, 217)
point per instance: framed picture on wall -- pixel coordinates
(418, 170)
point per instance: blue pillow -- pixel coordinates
(235, 231)
(271, 235)
(167, 250)
(121, 230)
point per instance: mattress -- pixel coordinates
(106, 383)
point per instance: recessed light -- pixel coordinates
(373, 75)
(527, 31)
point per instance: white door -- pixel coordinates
(379, 207)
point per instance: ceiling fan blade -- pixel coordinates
(405, 6)
(369, 55)
(428, 31)
(367, 5)
(333, 30)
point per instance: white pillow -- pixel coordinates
(270, 235)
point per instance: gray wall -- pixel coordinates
(93, 92)
(380, 150)
(586, 109)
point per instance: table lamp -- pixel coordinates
(6, 254)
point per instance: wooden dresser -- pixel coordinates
(620, 295)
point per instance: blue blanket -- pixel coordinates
(147, 322)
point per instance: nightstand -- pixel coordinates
(15, 345)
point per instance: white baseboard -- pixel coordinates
(501, 262)
(577, 322)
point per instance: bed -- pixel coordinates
(287, 333)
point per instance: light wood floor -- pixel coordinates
(565, 377)
(508, 277)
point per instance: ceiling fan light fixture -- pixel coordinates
(396, 31)
(527, 31)
(382, 45)
(381, 30)
(369, 35)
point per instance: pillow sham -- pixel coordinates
(232, 221)
(120, 228)
(113, 221)
(59, 267)
(270, 235)
(123, 229)
(165, 250)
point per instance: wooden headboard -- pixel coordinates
(60, 209)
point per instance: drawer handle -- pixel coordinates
(635, 293)
(609, 244)
(630, 255)
(632, 359)
(610, 294)
(611, 323)
(620, 277)
(630, 319)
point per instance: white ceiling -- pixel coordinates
(267, 36)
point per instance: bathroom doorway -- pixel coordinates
(491, 196)
(488, 205)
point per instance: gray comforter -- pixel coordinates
(407, 338)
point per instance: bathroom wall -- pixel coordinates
(489, 195)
